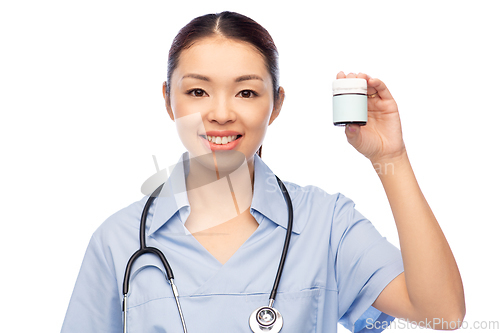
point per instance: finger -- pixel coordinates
(351, 75)
(340, 75)
(352, 132)
(370, 90)
(352, 128)
(363, 76)
(380, 87)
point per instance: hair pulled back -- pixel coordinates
(229, 25)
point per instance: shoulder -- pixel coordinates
(314, 196)
(121, 225)
(313, 202)
(114, 241)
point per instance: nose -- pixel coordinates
(221, 111)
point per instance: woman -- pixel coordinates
(221, 220)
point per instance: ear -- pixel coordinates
(166, 96)
(278, 103)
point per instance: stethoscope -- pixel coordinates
(264, 319)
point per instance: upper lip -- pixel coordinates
(221, 133)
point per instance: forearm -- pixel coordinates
(432, 278)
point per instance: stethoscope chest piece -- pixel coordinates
(266, 319)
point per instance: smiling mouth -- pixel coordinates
(221, 140)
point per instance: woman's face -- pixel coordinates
(221, 97)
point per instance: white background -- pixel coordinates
(82, 114)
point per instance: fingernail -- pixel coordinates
(351, 129)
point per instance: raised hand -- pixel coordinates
(381, 139)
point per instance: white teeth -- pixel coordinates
(221, 140)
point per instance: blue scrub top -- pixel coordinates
(337, 265)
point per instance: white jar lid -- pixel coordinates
(349, 86)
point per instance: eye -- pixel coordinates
(247, 93)
(197, 92)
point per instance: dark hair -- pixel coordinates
(229, 25)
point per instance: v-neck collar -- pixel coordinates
(267, 197)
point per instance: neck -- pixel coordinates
(218, 187)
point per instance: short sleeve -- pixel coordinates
(365, 263)
(95, 302)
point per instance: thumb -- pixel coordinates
(353, 135)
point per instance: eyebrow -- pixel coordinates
(238, 79)
(248, 77)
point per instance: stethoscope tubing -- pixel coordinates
(143, 248)
(288, 236)
(170, 275)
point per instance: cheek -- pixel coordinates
(186, 118)
(258, 117)
(184, 106)
(189, 123)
